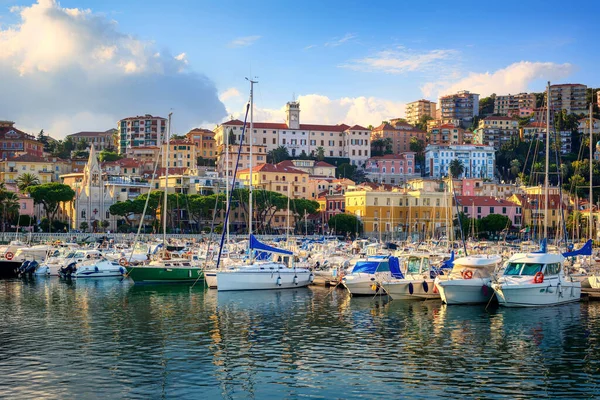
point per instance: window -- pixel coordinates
(503, 210)
(491, 210)
(478, 209)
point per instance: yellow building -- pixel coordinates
(533, 209)
(399, 210)
(46, 169)
(182, 154)
(205, 140)
(278, 178)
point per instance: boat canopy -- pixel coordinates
(586, 250)
(255, 244)
(395, 268)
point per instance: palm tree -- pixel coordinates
(515, 167)
(26, 180)
(320, 153)
(9, 205)
(456, 168)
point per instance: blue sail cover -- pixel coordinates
(543, 246)
(586, 250)
(395, 268)
(255, 244)
(368, 267)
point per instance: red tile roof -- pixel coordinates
(124, 162)
(358, 128)
(27, 158)
(274, 168)
(484, 201)
(323, 164)
(536, 125)
(93, 134)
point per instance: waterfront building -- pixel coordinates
(418, 109)
(478, 207)
(335, 141)
(47, 169)
(570, 97)
(462, 106)
(205, 142)
(14, 142)
(140, 131)
(533, 209)
(477, 160)
(280, 178)
(392, 168)
(400, 133)
(495, 131)
(101, 140)
(510, 105)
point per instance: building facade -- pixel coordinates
(140, 131)
(462, 106)
(101, 140)
(495, 131)
(478, 207)
(400, 134)
(205, 143)
(446, 134)
(510, 104)
(336, 141)
(392, 168)
(570, 97)
(418, 109)
(47, 169)
(478, 161)
(288, 181)
(14, 141)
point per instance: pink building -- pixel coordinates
(392, 168)
(26, 206)
(482, 206)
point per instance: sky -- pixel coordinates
(82, 65)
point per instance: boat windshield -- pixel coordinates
(527, 269)
(383, 267)
(414, 265)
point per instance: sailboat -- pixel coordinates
(253, 274)
(166, 267)
(538, 278)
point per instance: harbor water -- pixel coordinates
(112, 339)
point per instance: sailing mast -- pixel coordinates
(164, 210)
(250, 141)
(591, 222)
(546, 180)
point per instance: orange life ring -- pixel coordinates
(538, 277)
(467, 274)
(123, 262)
(435, 289)
(9, 256)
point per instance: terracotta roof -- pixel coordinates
(323, 164)
(124, 162)
(536, 125)
(28, 158)
(20, 134)
(305, 127)
(181, 141)
(273, 168)
(358, 128)
(567, 84)
(483, 201)
(537, 201)
(92, 134)
(501, 118)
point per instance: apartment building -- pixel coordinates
(510, 105)
(400, 133)
(462, 106)
(47, 169)
(101, 140)
(570, 97)
(446, 134)
(418, 109)
(478, 207)
(140, 131)
(182, 154)
(14, 141)
(478, 161)
(495, 131)
(337, 141)
(279, 178)
(392, 168)
(205, 142)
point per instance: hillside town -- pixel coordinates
(462, 158)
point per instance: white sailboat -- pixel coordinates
(537, 279)
(261, 275)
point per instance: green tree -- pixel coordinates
(278, 155)
(345, 224)
(106, 155)
(9, 206)
(127, 208)
(49, 195)
(105, 224)
(494, 223)
(302, 207)
(84, 226)
(515, 167)
(418, 146)
(456, 168)
(486, 105)
(345, 170)
(26, 180)
(320, 153)
(81, 145)
(422, 123)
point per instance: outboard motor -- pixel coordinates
(30, 269)
(21, 269)
(68, 270)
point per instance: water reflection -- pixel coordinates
(112, 338)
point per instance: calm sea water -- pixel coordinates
(111, 339)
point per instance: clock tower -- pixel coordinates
(293, 115)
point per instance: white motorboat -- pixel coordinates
(417, 281)
(535, 279)
(366, 275)
(99, 268)
(470, 281)
(52, 265)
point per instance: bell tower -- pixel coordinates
(292, 118)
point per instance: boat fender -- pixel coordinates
(410, 288)
(311, 278)
(122, 270)
(295, 279)
(538, 277)
(278, 281)
(425, 287)
(96, 269)
(9, 256)
(559, 289)
(435, 289)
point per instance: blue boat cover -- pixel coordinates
(368, 267)
(395, 268)
(262, 256)
(543, 246)
(586, 250)
(255, 244)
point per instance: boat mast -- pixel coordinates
(250, 141)
(164, 211)
(546, 180)
(591, 223)
(226, 141)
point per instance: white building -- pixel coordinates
(337, 141)
(478, 161)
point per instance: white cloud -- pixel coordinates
(319, 109)
(515, 78)
(58, 63)
(244, 41)
(400, 61)
(229, 94)
(339, 41)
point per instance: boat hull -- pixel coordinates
(594, 281)
(230, 280)
(400, 290)
(465, 291)
(211, 279)
(8, 269)
(537, 295)
(362, 285)
(150, 274)
(88, 272)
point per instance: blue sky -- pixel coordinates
(386, 52)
